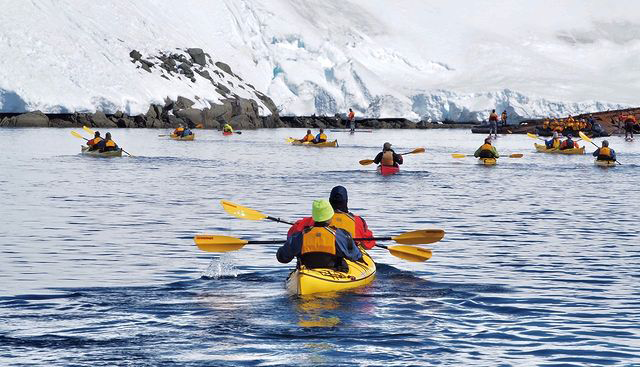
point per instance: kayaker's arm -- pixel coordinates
(300, 225)
(397, 158)
(495, 152)
(596, 153)
(363, 231)
(346, 247)
(290, 249)
(477, 153)
(378, 158)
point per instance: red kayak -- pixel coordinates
(388, 170)
(225, 133)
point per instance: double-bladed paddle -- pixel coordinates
(410, 253)
(366, 162)
(460, 155)
(85, 128)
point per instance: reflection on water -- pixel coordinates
(98, 266)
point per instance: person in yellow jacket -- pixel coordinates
(107, 144)
(227, 128)
(486, 150)
(320, 138)
(553, 143)
(322, 245)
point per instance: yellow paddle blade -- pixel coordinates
(366, 162)
(532, 136)
(421, 236)
(410, 253)
(458, 155)
(212, 243)
(85, 128)
(290, 140)
(241, 212)
(516, 155)
(77, 135)
(584, 137)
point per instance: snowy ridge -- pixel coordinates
(408, 58)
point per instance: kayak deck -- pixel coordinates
(487, 161)
(388, 170)
(543, 148)
(605, 163)
(185, 138)
(95, 153)
(326, 144)
(309, 281)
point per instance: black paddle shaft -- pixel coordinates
(274, 242)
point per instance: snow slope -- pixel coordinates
(435, 60)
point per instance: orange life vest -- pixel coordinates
(319, 239)
(630, 118)
(94, 141)
(486, 146)
(110, 143)
(345, 221)
(387, 158)
(308, 137)
(605, 152)
(179, 131)
(323, 136)
(351, 115)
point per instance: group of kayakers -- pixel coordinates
(321, 137)
(571, 125)
(326, 239)
(102, 145)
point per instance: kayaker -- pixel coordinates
(352, 120)
(308, 137)
(179, 130)
(186, 132)
(227, 128)
(108, 144)
(503, 118)
(320, 246)
(388, 157)
(486, 150)
(569, 143)
(320, 138)
(605, 153)
(493, 123)
(355, 225)
(96, 139)
(554, 142)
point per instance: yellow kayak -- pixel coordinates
(186, 138)
(319, 145)
(308, 281)
(96, 153)
(487, 161)
(605, 163)
(543, 148)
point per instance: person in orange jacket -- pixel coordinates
(355, 225)
(352, 120)
(96, 139)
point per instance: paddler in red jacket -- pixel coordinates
(355, 225)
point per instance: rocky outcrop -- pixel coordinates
(29, 119)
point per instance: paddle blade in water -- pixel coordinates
(421, 236)
(516, 155)
(458, 155)
(410, 253)
(85, 128)
(366, 162)
(212, 243)
(241, 212)
(584, 137)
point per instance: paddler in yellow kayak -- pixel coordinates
(106, 145)
(553, 143)
(343, 218)
(605, 153)
(309, 137)
(486, 150)
(320, 246)
(320, 138)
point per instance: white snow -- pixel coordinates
(436, 60)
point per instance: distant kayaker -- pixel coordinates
(108, 144)
(493, 123)
(186, 132)
(179, 130)
(503, 118)
(309, 137)
(605, 153)
(96, 139)
(320, 138)
(320, 246)
(569, 143)
(352, 120)
(486, 150)
(388, 157)
(355, 225)
(227, 128)
(554, 142)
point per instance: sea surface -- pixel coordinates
(540, 265)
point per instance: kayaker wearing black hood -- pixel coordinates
(388, 157)
(355, 225)
(322, 245)
(107, 144)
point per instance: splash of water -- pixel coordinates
(221, 267)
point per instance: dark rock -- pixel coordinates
(135, 55)
(32, 119)
(224, 67)
(192, 116)
(56, 122)
(168, 104)
(197, 55)
(99, 119)
(82, 119)
(182, 103)
(205, 74)
(151, 113)
(242, 122)
(174, 121)
(146, 67)
(118, 114)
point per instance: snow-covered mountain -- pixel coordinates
(418, 59)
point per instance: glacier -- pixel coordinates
(421, 60)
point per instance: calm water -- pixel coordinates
(540, 265)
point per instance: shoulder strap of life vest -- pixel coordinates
(345, 221)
